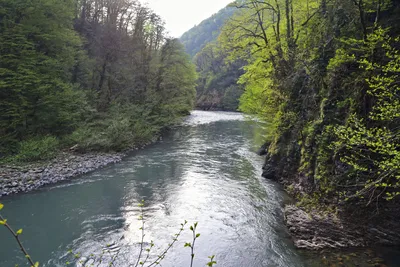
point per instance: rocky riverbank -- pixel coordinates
(316, 230)
(313, 227)
(27, 177)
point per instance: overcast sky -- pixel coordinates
(181, 15)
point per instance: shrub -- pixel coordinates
(38, 148)
(124, 127)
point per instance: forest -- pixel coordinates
(323, 75)
(217, 87)
(89, 74)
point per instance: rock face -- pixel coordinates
(312, 230)
(18, 179)
(315, 231)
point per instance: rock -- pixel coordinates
(269, 168)
(315, 231)
(263, 149)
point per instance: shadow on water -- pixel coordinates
(204, 171)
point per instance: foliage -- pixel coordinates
(119, 129)
(323, 75)
(371, 145)
(217, 86)
(37, 50)
(67, 66)
(206, 32)
(39, 148)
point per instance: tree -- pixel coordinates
(37, 53)
(176, 79)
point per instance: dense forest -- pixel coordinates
(217, 87)
(88, 74)
(324, 76)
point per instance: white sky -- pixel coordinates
(181, 15)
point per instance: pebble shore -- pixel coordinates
(27, 177)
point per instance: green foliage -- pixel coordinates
(217, 86)
(87, 78)
(324, 77)
(212, 261)
(37, 50)
(34, 149)
(206, 32)
(176, 80)
(371, 145)
(119, 129)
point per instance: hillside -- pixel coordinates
(207, 31)
(217, 87)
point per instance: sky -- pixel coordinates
(182, 15)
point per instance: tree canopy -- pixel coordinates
(89, 72)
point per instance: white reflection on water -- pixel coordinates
(203, 117)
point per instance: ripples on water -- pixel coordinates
(205, 171)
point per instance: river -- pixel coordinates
(205, 171)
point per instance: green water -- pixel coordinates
(205, 171)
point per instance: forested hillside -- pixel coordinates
(217, 87)
(206, 32)
(91, 74)
(324, 75)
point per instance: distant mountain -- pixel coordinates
(207, 31)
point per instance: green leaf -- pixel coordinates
(3, 222)
(1, 206)
(19, 232)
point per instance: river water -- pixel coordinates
(205, 171)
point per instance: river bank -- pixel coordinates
(316, 230)
(329, 224)
(317, 226)
(18, 178)
(27, 177)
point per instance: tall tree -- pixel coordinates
(37, 53)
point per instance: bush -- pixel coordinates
(123, 128)
(38, 148)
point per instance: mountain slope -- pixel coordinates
(217, 87)
(207, 31)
